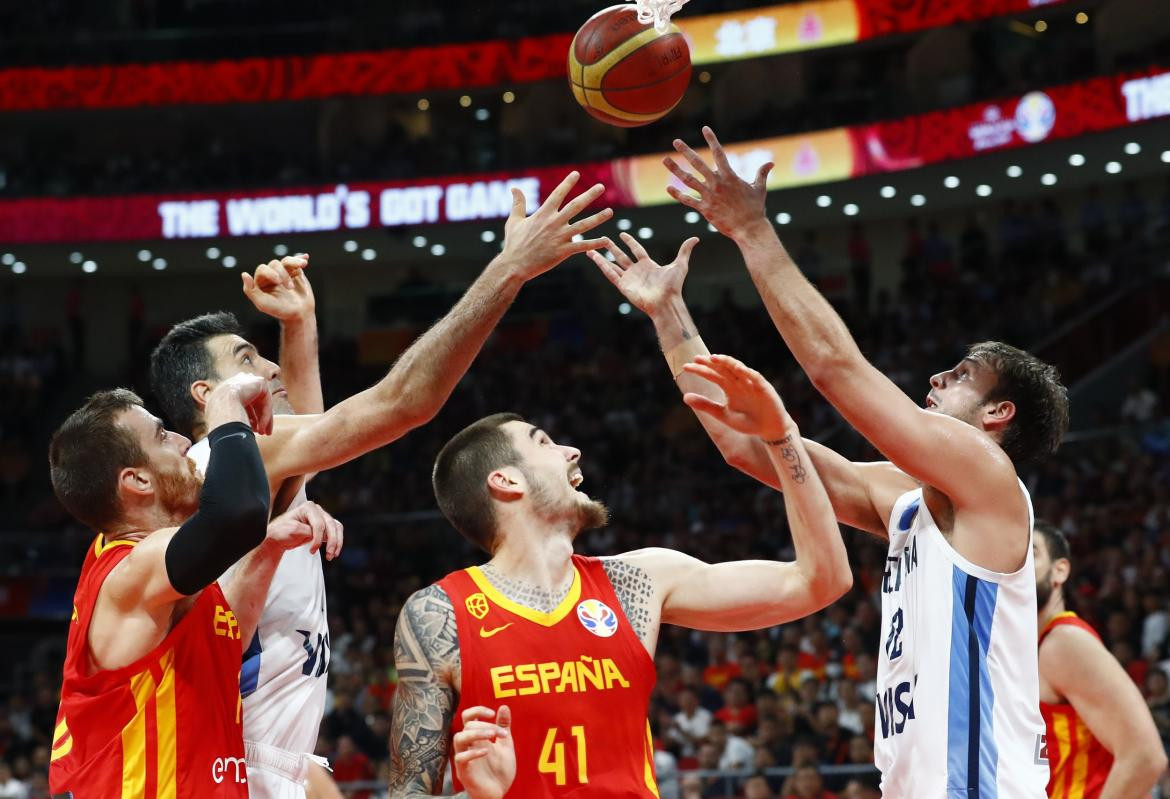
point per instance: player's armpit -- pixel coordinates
(426, 655)
(635, 592)
(1080, 668)
(862, 494)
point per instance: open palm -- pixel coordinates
(645, 283)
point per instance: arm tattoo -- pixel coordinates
(426, 653)
(791, 456)
(634, 591)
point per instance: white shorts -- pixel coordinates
(276, 773)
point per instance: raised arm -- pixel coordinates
(861, 493)
(426, 654)
(938, 450)
(423, 378)
(281, 289)
(1077, 665)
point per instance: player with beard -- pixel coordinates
(284, 673)
(534, 670)
(1102, 742)
(958, 687)
(150, 700)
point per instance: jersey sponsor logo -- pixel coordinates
(224, 623)
(229, 768)
(477, 605)
(896, 708)
(899, 566)
(316, 656)
(486, 633)
(596, 617)
(557, 677)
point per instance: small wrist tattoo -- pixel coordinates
(778, 441)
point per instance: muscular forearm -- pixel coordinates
(247, 588)
(820, 550)
(674, 326)
(1133, 774)
(299, 365)
(427, 373)
(813, 331)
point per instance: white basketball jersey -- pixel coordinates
(282, 679)
(958, 688)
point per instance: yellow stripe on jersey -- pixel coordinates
(1080, 766)
(1060, 728)
(648, 764)
(134, 739)
(545, 619)
(100, 545)
(166, 732)
(62, 741)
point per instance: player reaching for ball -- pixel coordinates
(285, 667)
(958, 692)
(534, 670)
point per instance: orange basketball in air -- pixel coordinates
(626, 73)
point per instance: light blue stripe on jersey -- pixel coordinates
(972, 754)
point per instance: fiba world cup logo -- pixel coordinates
(596, 617)
(1035, 116)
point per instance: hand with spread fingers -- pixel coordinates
(752, 406)
(241, 393)
(280, 289)
(730, 203)
(485, 755)
(648, 285)
(534, 244)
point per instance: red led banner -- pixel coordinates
(1059, 112)
(715, 37)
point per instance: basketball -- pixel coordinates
(626, 73)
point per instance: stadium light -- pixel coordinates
(692, 217)
(624, 224)
(488, 236)
(1014, 171)
(213, 252)
(983, 190)
(888, 192)
(350, 246)
(824, 201)
(144, 255)
(420, 241)
(438, 249)
(1113, 167)
(159, 264)
(424, 104)
(783, 218)
(280, 250)
(1076, 159)
(89, 267)
(918, 200)
(645, 233)
(8, 259)
(1048, 179)
(368, 254)
(624, 309)
(851, 209)
(1132, 148)
(18, 268)
(951, 182)
(75, 258)
(229, 262)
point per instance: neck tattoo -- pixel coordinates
(525, 593)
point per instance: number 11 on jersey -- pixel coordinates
(552, 756)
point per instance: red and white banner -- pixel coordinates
(765, 31)
(1059, 112)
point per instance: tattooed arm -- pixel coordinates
(426, 654)
(636, 595)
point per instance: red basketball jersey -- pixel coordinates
(578, 681)
(1078, 762)
(165, 727)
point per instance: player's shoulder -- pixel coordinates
(1068, 650)
(427, 629)
(432, 598)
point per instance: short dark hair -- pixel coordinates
(181, 359)
(1035, 389)
(1054, 540)
(86, 453)
(461, 471)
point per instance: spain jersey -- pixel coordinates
(1080, 764)
(168, 726)
(578, 681)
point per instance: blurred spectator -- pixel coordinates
(738, 711)
(351, 765)
(806, 783)
(757, 787)
(691, 723)
(10, 787)
(733, 752)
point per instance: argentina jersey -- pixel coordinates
(958, 691)
(283, 674)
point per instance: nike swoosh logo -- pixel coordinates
(483, 633)
(232, 435)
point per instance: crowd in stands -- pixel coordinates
(388, 138)
(799, 695)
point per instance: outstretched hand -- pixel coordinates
(752, 406)
(534, 244)
(730, 203)
(485, 755)
(246, 393)
(648, 286)
(280, 289)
